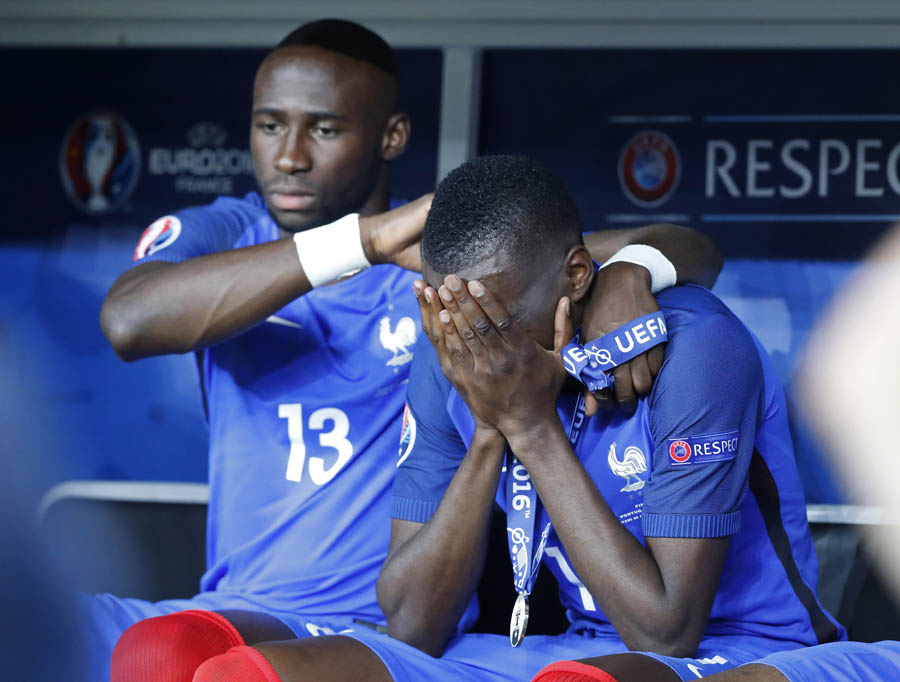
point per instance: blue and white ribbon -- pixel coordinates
(593, 362)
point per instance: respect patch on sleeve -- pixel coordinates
(710, 447)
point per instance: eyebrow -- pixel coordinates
(330, 115)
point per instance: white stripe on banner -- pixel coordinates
(802, 118)
(799, 218)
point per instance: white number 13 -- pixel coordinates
(335, 438)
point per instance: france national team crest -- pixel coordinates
(649, 168)
(632, 464)
(710, 447)
(397, 340)
(100, 162)
(159, 235)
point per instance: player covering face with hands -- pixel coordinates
(677, 532)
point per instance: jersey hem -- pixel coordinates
(412, 509)
(691, 525)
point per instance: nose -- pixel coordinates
(293, 155)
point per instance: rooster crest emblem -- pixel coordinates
(633, 462)
(397, 340)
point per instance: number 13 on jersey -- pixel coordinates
(335, 437)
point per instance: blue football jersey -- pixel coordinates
(706, 454)
(304, 415)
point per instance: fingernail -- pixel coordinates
(428, 295)
(417, 289)
(453, 282)
(566, 306)
(445, 316)
(476, 289)
(445, 293)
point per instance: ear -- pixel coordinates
(395, 137)
(578, 270)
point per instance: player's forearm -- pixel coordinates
(159, 308)
(426, 584)
(696, 257)
(602, 551)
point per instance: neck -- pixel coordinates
(378, 201)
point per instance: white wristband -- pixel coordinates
(331, 251)
(662, 272)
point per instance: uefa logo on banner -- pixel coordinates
(649, 168)
(100, 162)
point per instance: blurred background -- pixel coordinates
(772, 126)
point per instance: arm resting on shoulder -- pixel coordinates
(696, 257)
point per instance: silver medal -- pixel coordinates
(519, 620)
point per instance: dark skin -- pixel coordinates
(324, 128)
(501, 353)
(506, 366)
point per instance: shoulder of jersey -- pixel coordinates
(164, 231)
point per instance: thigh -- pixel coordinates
(633, 668)
(331, 657)
(751, 672)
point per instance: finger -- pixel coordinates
(590, 403)
(563, 330)
(623, 388)
(640, 375)
(505, 324)
(655, 357)
(471, 315)
(605, 399)
(424, 312)
(431, 308)
(457, 352)
(462, 328)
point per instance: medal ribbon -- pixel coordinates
(523, 508)
(593, 362)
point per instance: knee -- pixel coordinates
(572, 671)
(239, 664)
(170, 648)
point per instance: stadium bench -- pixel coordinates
(147, 540)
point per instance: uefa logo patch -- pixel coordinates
(100, 162)
(680, 451)
(649, 168)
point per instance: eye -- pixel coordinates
(268, 126)
(326, 130)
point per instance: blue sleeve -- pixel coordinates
(196, 231)
(704, 413)
(435, 450)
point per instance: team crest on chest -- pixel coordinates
(633, 462)
(397, 340)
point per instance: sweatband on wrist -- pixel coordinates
(331, 251)
(662, 272)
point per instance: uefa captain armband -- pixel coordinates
(593, 362)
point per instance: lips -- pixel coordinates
(292, 201)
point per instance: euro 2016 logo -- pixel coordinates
(100, 162)
(649, 168)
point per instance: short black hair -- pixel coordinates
(504, 203)
(346, 38)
